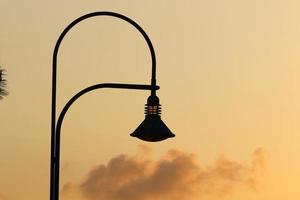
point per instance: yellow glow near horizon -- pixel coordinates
(229, 76)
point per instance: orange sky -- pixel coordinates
(228, 72)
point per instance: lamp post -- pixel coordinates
(152, 129)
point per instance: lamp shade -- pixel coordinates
(152, 129)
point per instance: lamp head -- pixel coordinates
(152, 129)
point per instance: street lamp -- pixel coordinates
(152, 129)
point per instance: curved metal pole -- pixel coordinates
(66, 108)
(54, 173)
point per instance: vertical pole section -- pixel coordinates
(53, 124)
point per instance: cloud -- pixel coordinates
(3, 197)
(175, 176)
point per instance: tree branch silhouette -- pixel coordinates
(3, 83)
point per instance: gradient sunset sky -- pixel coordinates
(229, 76)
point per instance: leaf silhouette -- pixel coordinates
(3, 83)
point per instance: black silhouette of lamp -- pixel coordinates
(152, 129)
